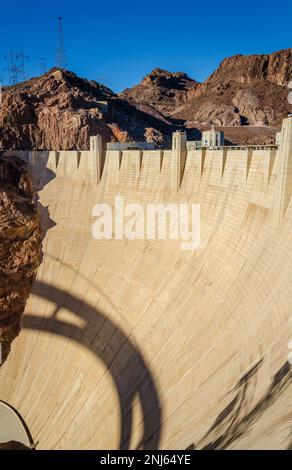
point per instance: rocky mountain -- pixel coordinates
(275, 68)
(163, 90)
(60, 111)
(20, 247)
(244, 90)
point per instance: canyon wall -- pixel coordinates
(20, 246)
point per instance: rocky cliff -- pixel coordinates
(244, 90)
(60, 111)
(20, 247)
(275, 68)
(163, 90)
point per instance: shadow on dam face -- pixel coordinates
(130, 374)
(123, 360)
(127, 367)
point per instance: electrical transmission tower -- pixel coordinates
(61, 60)
(16, 66)
(12, 69)
(21, 59)
(43, 65)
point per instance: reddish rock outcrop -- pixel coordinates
(275, 68)
(244, 90)
(60, 111)
(163, 90)
(20, 247)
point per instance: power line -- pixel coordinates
(16, 66)
(61, 60)
(21, 59)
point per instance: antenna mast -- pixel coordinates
(61, 60)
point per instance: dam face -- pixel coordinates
(140, 344)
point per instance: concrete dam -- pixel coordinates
(138, 344)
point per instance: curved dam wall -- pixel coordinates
(140, 344)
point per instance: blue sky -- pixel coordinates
(119, 42)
